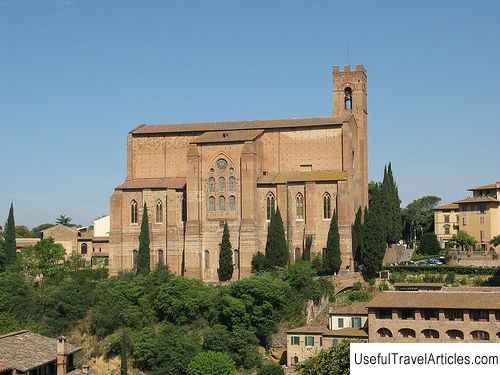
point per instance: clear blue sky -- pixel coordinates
(76, 76)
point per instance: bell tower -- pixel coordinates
(349, 98)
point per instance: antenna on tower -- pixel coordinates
(348, 63)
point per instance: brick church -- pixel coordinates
(195, 177)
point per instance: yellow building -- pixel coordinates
(445, 223)
(479, 215)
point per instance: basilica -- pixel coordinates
(196, 177)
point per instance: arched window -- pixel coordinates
(407, 333)
(160, 257)
(327, 206)
(348, 98)
(207, 259)
(222, 203)
(271, 205)
(222, 184)
(83, 248)
(211, 204)
(430, 334)
(480, 335)
(232, 183)
(211, 184)
(184, 208)
(133, 212)
(295, 360)
(297, 254)
(446, 229)
(455, 334)
(232, 203)
(134, 260)
(299, 203)
(159, 212)
(384, 332)
(236, 254)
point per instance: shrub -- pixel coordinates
(429, 244)
(211, 363)
(450, 278)
(271, 369)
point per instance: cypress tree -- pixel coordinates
(124, 353)
(276, 247)
(10, 238)
(306, 255)
(357, 237)
(332, 261)
(374, 235)
(226, 265)
(143, 256)
(391, 207)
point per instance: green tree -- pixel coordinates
(374, 236)
(174, 350)
(306, 255)
(495, 241)
(124, 347)
(462, 239)
(391, 209)
(357, 237)
(226, 266)
(329, 361)
(276, 247)
(418, 217)
(271, 369)
(22, 231)
(143, 256)
(2, 254)
(332, 261)
(260, 263)
(211, 363)
(429, 244)
(10, 238)
(44, 258)
(64, 220)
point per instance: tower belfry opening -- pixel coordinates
(347, 98)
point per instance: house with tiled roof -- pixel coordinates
(29, 353)
(429, 316)
(478, 215)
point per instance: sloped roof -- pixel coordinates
(154, 183)
(347, 332)
(308, 329)
(483, 199)
(495, 185)
(284, 177)
(25, 350)
(228, 136)
(144, 129)
(450, 206)
(449, 300)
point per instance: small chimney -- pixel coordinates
(85, 370)
(62, 350)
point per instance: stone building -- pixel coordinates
(446, 223)
(443, 316)
(195, 177)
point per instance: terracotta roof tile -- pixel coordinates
(347, 332)
(284, 177)
(451, 206)
(495, 185)
(154, 183)
(25, 350)
(450, 300)
(238, 125)
(308, 329)
(477, 200)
